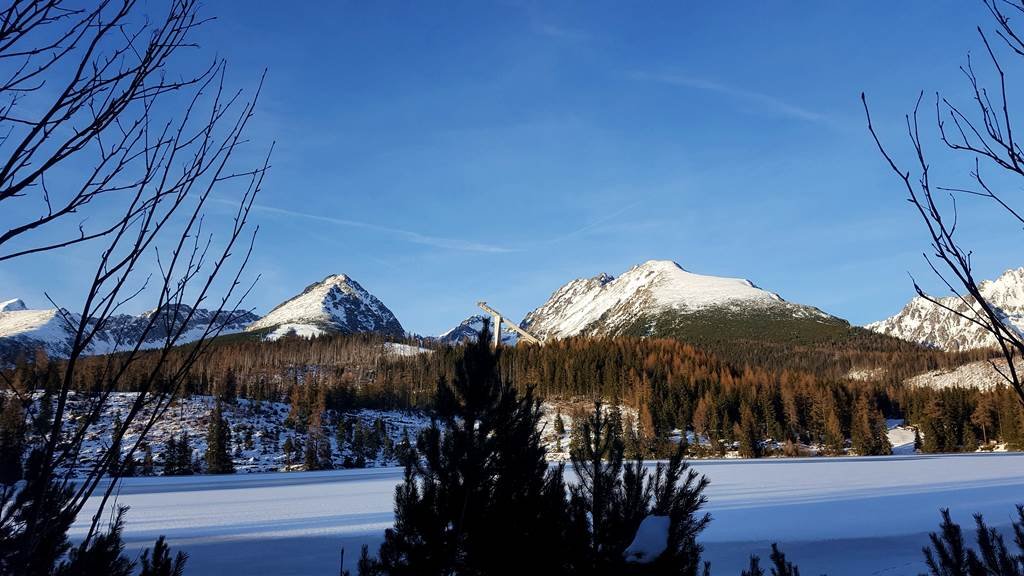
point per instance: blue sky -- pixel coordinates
(443, 153)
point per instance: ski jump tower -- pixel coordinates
(498, 319)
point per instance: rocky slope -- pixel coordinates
(923, 322)
(337, 304)
(660, 298)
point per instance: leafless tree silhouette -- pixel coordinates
(984, 130)
(98, 129)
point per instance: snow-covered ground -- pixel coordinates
(901, 437)
(264, 423)
(841, 516)
(981, 374)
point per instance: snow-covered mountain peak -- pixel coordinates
(15, 305)
(469, 330)
(1007, 290)
(924, 322)
(53, 330)
(604, 305)
(335, 304)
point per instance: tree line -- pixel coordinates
(672, 386)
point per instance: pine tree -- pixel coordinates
(747, 432)
(218, 443)
(949, 555)
(933, 427)
(183, 457)
(12, 441)
(103, 554)
(613, 498)
(311, 456)
(478, 498)
(835, 440)
(324, 453)
(780, 566)
(158, 562)
(44, 418)
(868, 433)
(984, 416)
(226, 389)
(41, 497)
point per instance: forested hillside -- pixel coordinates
(754, 397)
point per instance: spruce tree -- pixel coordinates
(183, 457)
(218, 444)
(171, 457)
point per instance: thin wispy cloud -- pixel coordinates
(760, 99)
(594, 224)
(559, 32)
(407, 235)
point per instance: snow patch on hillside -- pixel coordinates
(297, 330)
(266, 423)
(404, 350)
(981, 374)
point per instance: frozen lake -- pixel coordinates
(841, 516)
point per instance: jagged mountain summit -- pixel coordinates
(335, 305)
(925, 323)
(469, 331)
(24, 330)
(660, 298)
(15, 305)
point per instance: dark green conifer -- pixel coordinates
(218, 443)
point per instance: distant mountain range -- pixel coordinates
(926, 323)
(658, 298)
(24, 330)
(336, 304)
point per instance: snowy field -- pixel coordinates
(840, 516)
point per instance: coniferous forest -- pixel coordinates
(756, 401)
(667, 421)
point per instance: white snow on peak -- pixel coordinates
(46, 326)
(469, 330)
(336, 304)
(651, 287)
(924, 322)
(15, 305)
(54, 330)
